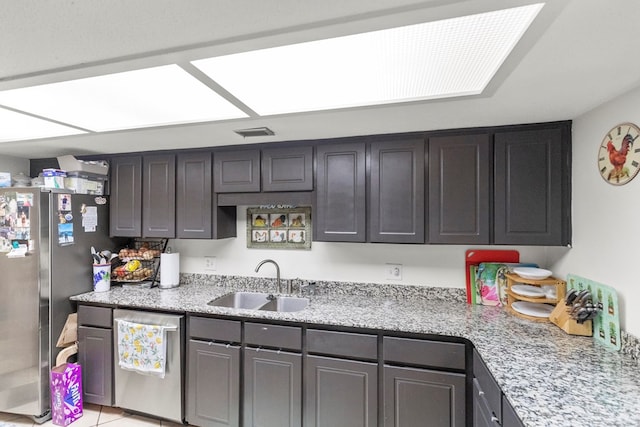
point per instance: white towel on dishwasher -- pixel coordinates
(142, 348)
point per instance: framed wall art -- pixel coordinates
(279, 228)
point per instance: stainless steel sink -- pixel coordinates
(246, 300)
(288, 304)
(260, 301)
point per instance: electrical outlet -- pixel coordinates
(394, 271)
(210, 263)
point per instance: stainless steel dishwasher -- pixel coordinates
(162, 397)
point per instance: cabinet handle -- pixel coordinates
(480, 393)
(494, 419)
(264, 328)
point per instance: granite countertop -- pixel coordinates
(549, 377)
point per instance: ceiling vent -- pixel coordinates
(249, 133)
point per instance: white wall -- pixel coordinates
(606, 229)
(433, 265)
(14, 165)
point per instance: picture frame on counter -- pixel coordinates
(279, 227)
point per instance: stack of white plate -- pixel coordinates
(533, 309)
(532, 273)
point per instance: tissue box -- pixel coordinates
(54, 178)
(66, 393)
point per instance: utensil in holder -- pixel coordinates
(561, 318)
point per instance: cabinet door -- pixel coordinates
(159, 196)
(531, 198)
(482, 415)
(412, 396)
(125, 219)
(340, 209)
(340, 393)
(272, 388)
(236, 171)
(213, 389)
(459, 198)
(397, 191)
(287, 169)
(95, 355)
(197, 214)
(193, 195)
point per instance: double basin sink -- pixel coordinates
(260, 301)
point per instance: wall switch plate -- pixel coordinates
(393, 271)
(210, 263)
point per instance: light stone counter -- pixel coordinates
(550, 378)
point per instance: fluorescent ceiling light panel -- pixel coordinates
(134, 99)
(447, 58)
(17, 127)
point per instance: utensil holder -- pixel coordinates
(101, 277)
(560, 317)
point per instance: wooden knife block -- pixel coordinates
(560, 317)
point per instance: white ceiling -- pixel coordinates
(576, 55)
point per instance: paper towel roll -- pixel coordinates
(169, 270)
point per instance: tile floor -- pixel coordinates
(93, 415)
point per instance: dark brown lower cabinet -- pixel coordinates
(340, 393)
(96, 358)
(272, 388)
(95, 353)
(482, 414)
(417, 397)
(490, 406)
(213, 394)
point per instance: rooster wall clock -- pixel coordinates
(618, 157)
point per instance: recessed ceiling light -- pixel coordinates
(18, 127)
(439, 59)
(149, 97)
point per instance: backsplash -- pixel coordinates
(331, 287)
(630, 345)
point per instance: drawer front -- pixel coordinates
(289, 337)
(424, 352)
(214, 329)
(488, 388)
(95, 316)
(347, 344)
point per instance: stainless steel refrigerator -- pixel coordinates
(45, 257)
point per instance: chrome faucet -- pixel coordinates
(277, 272)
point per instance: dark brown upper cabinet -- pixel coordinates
(125, 218)
(159, 196)
(287, 169)
(236, 171)
(396, 203)
(193, 195)
(340, 204)
(532, 188)
(459, 189)
(197, 214)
